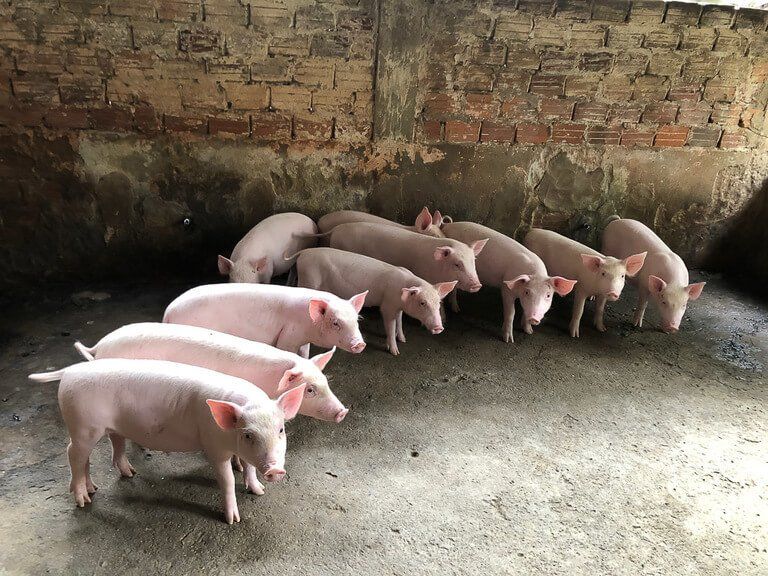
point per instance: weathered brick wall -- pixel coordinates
(266, 70)
(608, 72)
(136, 135)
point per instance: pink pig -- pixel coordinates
(425, 223)
(517, 271)
(258, 257)
(174, 408)
(394, 290)
(597, 275)
(433, 259)
(283, 317)
(663, 277)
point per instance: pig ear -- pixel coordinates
(478, 245)
(424, 219)
(321, 360)
(408, 292)
(226, 414)
(290, 401)
(317, 309)
(655, 284)
(445, 288)
(442, 252)
(258, 264)
(634, 263)
(290, 378)
(695, 290)
(563, 286)
(225, 265)
(515, 282)
(358, 301)
(592, 262)
(437, 218)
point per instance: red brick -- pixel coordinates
(549, 33)
(730, 42)
(610, 10)
(660, 113)
(179, 10)
(21, 115)
(219, 124)
(665, 64)
(582, 85)
(246, 96)
(726, 114)
(704, 136)
(579, 10)
(617, 87)
(67, 118)
(274, 69)
(646, 11)
(432, 130)
(547, 85)
(637, 138)
(291, 98)
(682, 13)
(185, 124)
(666, 38)
(495, 132)
(568, 133)
(80, 89)
(623, 37)
(520, 108)
(312, 128)
(685, 91)
(717, 16)
(350, 128)
(671, 136)
(438, 105)
(693, 113)
(559, 108)
(456, 131)
(481, 106)
(475, 78)
(146, 120)
(271, 126)
(532, 133)
(200, 41)
(596, 62)
(490, 53)
(719, 90)
(112, 119)
(586, 36)
(514, 26)
(651, 88)
(628, 112)
(698, 39)
(734, 139)
(590, 112)
(557, 61)
(511, 83)
(603, 135)
(522, 57)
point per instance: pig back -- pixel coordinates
(333, 219)
(624, 237)
(561, 255)
(275, 236)
(502, 258)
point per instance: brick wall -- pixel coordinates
(604, 72)
(267, 70)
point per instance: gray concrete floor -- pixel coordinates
(625, 453)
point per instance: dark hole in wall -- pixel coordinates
(741, 250)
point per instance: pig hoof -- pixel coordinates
(601, 327)
(528, 330)
(508, 338)
(257, 488)
(401, 338)
(394, 351)
(90, 487)
(82, 497)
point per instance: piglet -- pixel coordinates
(518, 272)
(433, 259)
(597, 275)
(394, 290)
(174, 408)
(424, 224)
(663, 277)
(258, 257)
(283, 317)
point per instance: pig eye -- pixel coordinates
(457, 265)
(603, 273)
(248, 436)
(622, 275)
(336, 324)
(281, 431)
(549, 295)
(527, 292)
(422, 303)
(311, 391)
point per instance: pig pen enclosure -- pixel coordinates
(139, 141)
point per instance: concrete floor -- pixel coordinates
(631, 452)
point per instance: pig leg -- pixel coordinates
(119, 459)
(400, 335)
(508, 303)
(599, 312)
(390, 326)
(226, 480)
(525, 325)
(642, 303)
(454, 297)
(579, 299)
(237, 463)
(78, 453)
(252, 483)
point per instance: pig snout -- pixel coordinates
(533, 321)
(670, 328)
(474, 285)
(274, 474)
(357, 347)
(340, 415)
(436, 329)
(613, 295)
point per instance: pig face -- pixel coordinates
(460, 264)
(337, 322)
(318, 401)
(425, 224)
(424, 304)
(609, 274)
(671, 301)
(536, 292)
(250, 270)
(259, 430)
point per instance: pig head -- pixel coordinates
(318, 401)
(672, 300)
(337, 323)
(423, 303)
(252, 270)
(606, 275)
(535, 293)
(460, 264)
